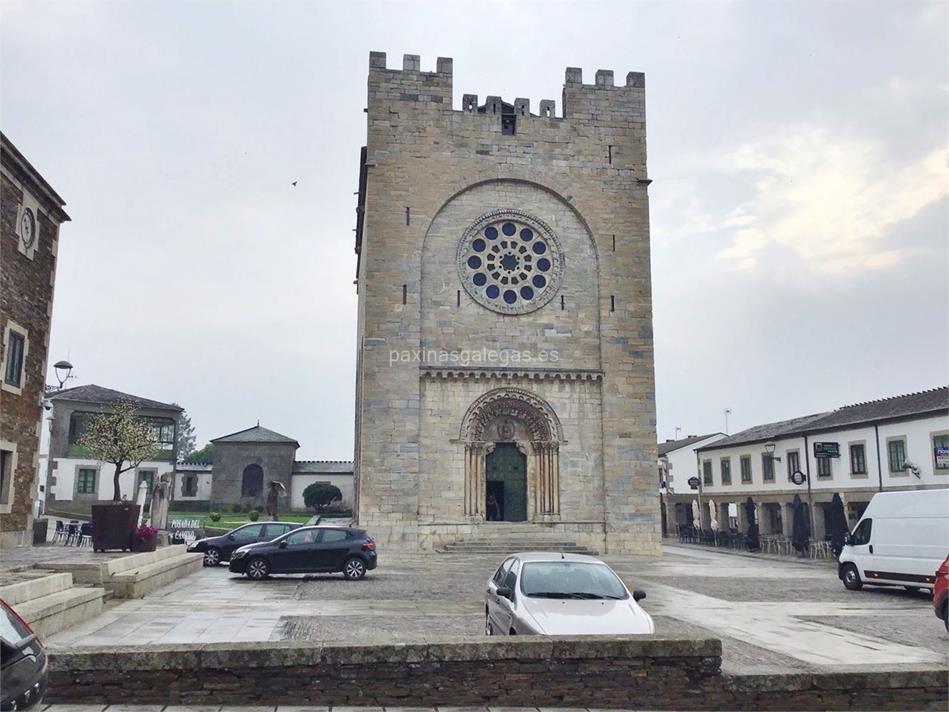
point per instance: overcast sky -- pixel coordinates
(798, 209)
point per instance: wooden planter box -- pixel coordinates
(113, 526)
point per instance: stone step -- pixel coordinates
(50, 602)
(134, 575)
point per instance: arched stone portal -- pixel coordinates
(522, 423)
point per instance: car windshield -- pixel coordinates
(11, 629)
(570, 579)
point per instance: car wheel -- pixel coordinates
(258, 569)
(354, 569)
(212, 557)
(851, 578)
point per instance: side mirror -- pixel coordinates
(230, 537)
(638, 595)
(505, 592)
(847, 540)
(283, 544)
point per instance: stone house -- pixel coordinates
(29, 236)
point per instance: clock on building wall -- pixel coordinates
(27, 227)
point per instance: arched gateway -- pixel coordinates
(512, 453)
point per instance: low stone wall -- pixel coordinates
(620, 673)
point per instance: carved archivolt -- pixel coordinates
(514, 403)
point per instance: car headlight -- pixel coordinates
(192, 546)
(238, 554)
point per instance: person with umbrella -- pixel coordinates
(751, 535)
(838, 528)
(800, 527)
(275, 490)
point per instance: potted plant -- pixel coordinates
(124, 440)
(145, 539)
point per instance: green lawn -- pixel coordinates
(230, 520)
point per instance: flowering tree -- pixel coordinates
(121, 438)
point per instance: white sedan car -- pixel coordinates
(561, 594)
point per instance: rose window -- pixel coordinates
(510, 262)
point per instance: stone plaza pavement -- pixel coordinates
(772, 616)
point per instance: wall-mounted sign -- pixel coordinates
(798, 477)
(694, 482)
(826, 449)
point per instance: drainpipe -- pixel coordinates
(876, 431)
(807, 471)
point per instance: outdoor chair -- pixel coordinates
(60, 533)
(85, 534)
(72, 532)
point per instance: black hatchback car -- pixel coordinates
(309, 550)
(219, 548)
(23, 664)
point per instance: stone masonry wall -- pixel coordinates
(26, 298)
(230, 459)
(617, 673)
(587, 171)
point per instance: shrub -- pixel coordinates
(215, 516)
(253, 515)
(236, 507)
(320, 494)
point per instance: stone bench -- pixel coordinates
(51, 603)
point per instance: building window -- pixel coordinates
(896, 452)
(794, 462)
(707, 473)
(745, 464)
(252, 483)
(148, 477)
(858, 459)
(15, 357)
(86, 478)
(824, 467)
(767, 467)
(6, 476)
(190, 486)
(163, 430)
(941, 452)
(726, 471)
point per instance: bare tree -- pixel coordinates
(121, 438)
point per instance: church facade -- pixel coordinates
(505, 352)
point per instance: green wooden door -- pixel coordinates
(506, 473)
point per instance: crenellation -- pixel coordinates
(411, 63)
(573, 75)
(604, 77)
(493, 105)
(522, 107)
(548, 108)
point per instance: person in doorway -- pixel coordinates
(494, 509)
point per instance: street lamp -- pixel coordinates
(769, 451)
(63, 372)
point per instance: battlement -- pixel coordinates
(598, 102)
(573, 77)
(410, 63)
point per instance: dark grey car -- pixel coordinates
(219, 548)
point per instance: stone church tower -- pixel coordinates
(505, 354)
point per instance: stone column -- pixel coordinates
(546, 458)
(474, 479)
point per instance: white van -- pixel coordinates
(900, 540)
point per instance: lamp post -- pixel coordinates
(63, 371)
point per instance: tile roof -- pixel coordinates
(97, 394)
(323, 467)
(670, 445)
(255, 434)
(768, 431)
(933, 401)
(928, 402)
